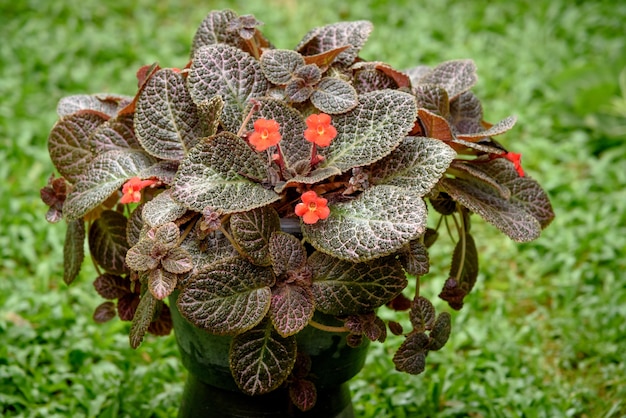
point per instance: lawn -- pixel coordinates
(543, 334)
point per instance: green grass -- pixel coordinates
(542, 335)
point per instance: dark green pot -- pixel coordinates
(210, 390)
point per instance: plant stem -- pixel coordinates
(327, 328)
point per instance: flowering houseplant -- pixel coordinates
(256, 186)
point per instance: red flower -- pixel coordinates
(517, 160)
(319, 130)
(131, 190)
(313, 208)
(265, 134)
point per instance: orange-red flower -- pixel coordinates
(265, 134)
(131, 190)
(319, 130)
(313, 208)
(516, 159)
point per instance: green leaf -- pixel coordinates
(345, 288)
(507, 215)
(261, 360)
(336, 35)
(115, 134)
(141, 321)
(252, 231)
(217, 174)
(109, 104)
(417, 164)
(278, 65)
(379, 222)
(411, 356)
(497, 129)
(73, 250)
(69, 144)
(107, 242)
(371, 130)
(422, 314)
(440, 332)
(287, 253)
(214, 30)
(166, 119)
(291, 309)
(463, 272)
(334, 96)
(223, 70)
(161, 283)
(456, 76)
(433, 98)
(227, 297)
(106, 174)
(162, 209)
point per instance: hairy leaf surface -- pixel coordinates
(291, 309)
(278, 65)
(337, 35)
(411, 356)
(141, 321)
(333, 96)
(456, 76)
(252, 231)
(162, 209)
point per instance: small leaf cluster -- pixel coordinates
(222, 225)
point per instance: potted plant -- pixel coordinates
(266, 202)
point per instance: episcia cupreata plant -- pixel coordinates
(187, 187)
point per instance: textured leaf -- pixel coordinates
(127, 305)
(216, 174)
(497, 129)
(457, 76)
(105, 103)
(463, 273)
(164, 171)
(422, 314)
(69, 143)
(440, 332)
(477, 171)
(210, 112)
(228, 297)
(377, 223)
(161, 283)
(367, 78)
(417, 164)
(166, 120)
(436, 126)
(222, 70)
(252, 231)
(104, 312)
(111, 286)
(525, 191)
(261, 360)
(345, 288)
(508, 216)
(298, 90)
(214, 30)
(177, 261)
(333, 96)
(278, 65)
(411, 356)
(162, 209)
(291, 309)
(416, 73)
(114, 134)
(337, 35)
(433, 98)
(371, 130)
(139, 256)
(415, 259)
(466, 113)
(303, 394)
(167, 235)
(287, 253)
(141, 321)
(107, 242)
(315, 176)
(292, 127)
(106, 174)
(162, 325)
(73, 250)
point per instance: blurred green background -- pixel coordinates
(542, 335)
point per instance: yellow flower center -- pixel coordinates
(320, 130)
